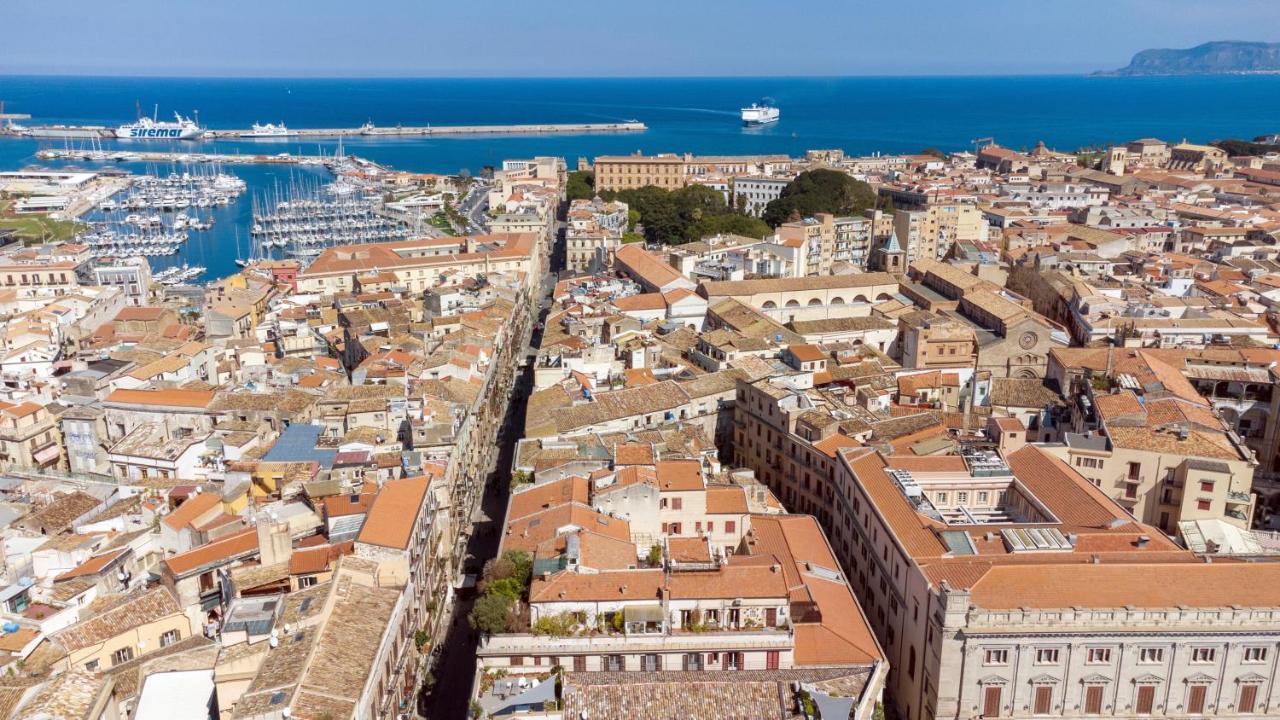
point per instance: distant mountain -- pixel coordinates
(1211, 58)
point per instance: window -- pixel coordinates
(516, 661)
(1206, 486)
(1046, 656)
(1204, 504)
(170, 637)
(999, 656)
(677, 503)
(1256, 654)
(1099, 656)
(942, 498)
(91, 665)
(650, 663)
(983, 497)
(1150, 655)
(962, 497)
(1203, 654)
(123, 655)
(730, 526)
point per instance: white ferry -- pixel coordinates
(761, 113)
(270, 130)
(151, 129)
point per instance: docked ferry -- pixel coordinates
(151, 129)
(270, 130)
(761, 113)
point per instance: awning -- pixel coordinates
(643, 613)
(46, 455)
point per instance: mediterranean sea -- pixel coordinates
(696, 115)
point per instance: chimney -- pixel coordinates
(275, 546)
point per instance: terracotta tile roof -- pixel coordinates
(686, 549)
(643, 301)
(679, 475)
(191, 509)
(241, 544)
(807, 352)
(729, 581)
(1124, 404)
(318, 559)
(391, 518)
(914, 531)
(1076, 501)
(163, 398)
(634, 454)
(726, 499)
(128, 612)
(608, 585)
(61, 512)
(528, 532)
(1139, 585)
(842, 635)
(1197, 443)
(92, 566)
(537, 498)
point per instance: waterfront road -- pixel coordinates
(455, 667)
(474, 206)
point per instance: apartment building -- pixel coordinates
(419, 265)
(29, 436)
(663, 591)
(593, 233)
(1144, 434)
(826, 241)
(672, 172)
(930, 231)
(1003, 583)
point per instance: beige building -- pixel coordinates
(825, 240)
(419, 265)
(929, 232)
(131, 626)
(29, 436)
(807, 298)
(1005, 584)
(672, 172)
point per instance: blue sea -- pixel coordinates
(697, 115)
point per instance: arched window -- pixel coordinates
(837, 300)
(860, 298)
(793, 303)
(769, 305)
(883, 296)
(815, 301)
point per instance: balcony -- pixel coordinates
(1235, 497)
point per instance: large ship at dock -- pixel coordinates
(152, 129)
(270, 130)
(65, 132)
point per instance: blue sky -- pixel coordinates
(466, 38)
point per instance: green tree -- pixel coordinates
(581, 185)
(521, 565)
(731, 224)
(935, 152)
(820, 191)
(491, 613)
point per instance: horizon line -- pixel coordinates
(922, 75)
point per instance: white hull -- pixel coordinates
(760, 115)
(162, 132)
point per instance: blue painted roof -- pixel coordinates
(298, 444)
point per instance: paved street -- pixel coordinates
(474, 206)
(455, 668)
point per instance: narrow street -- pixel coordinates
(455, 666)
